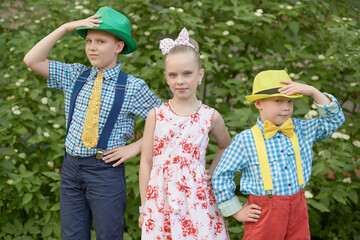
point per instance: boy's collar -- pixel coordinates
(110, 73)
(261, 124)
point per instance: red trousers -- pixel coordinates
(282, 217)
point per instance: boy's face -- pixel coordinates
(102, 49)
(275, 109)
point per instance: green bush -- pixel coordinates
(315, 41)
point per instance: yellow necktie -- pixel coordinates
(91, 125)
(287, 128)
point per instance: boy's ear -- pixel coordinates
(258, 105)
(120, 46)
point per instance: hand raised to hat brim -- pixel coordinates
(299, 88)
(87, 22)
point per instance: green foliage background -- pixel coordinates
(317, 42)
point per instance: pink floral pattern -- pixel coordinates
(179, 203)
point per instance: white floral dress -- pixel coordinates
(179, 204)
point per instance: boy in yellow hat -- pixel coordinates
(275, 158)
(100, 103)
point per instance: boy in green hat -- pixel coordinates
(100, 104)
(274, 158)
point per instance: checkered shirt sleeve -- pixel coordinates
(241, 156)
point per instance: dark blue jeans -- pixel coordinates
(90, 190)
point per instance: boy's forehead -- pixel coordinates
(276, 98)
(100, 33)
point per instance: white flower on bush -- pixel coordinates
(294, 76)
(219, 100)
(199, 4)
(289, 7)
(50, 164)
(191, 32)
(79, 7)
(44, 100)
(321, 57)
(225, 33)
(147, 33)
(134, 27)
(180, 10)
(86, 11)
(26, 89)
(281, 6)
(308, 194)
(7, 157)
(22, 155)
(353, 84)
(15, 110)
(6, 75)
(258, 14)
(322, 154)
(315, 78)
(230, 23)
(37, 21)
(56, 125)
(172, 8)
(203, 56)
(347, 180)
(356, 143)
(53, 109)
(46, 134)
(10, 97)
(12, 49)
(311, 114)
(10, 182)
(233, 133)
(298, 3)
(339, 135)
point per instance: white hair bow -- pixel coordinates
(182, 40)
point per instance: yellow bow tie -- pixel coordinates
(287, 128)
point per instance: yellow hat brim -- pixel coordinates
(252, 98)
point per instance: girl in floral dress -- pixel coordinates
(175, 188)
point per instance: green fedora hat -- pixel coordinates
(116, 24)
(267, 83)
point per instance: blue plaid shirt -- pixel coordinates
(241, 156)
(138, 100)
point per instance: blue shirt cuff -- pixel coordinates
(333, 107)
(230, 207)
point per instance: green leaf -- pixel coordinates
(27, 198)
(317, 205)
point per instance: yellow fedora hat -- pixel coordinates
(267, 83)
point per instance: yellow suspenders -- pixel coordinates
(264, 162)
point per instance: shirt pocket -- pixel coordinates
(255, 168)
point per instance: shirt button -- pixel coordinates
(278, 136)
(289, 184)
(285, 167)
(282, 151)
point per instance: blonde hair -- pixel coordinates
(185, 49)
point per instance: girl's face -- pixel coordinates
(102, 49)
(183, 74)
(275, 109)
